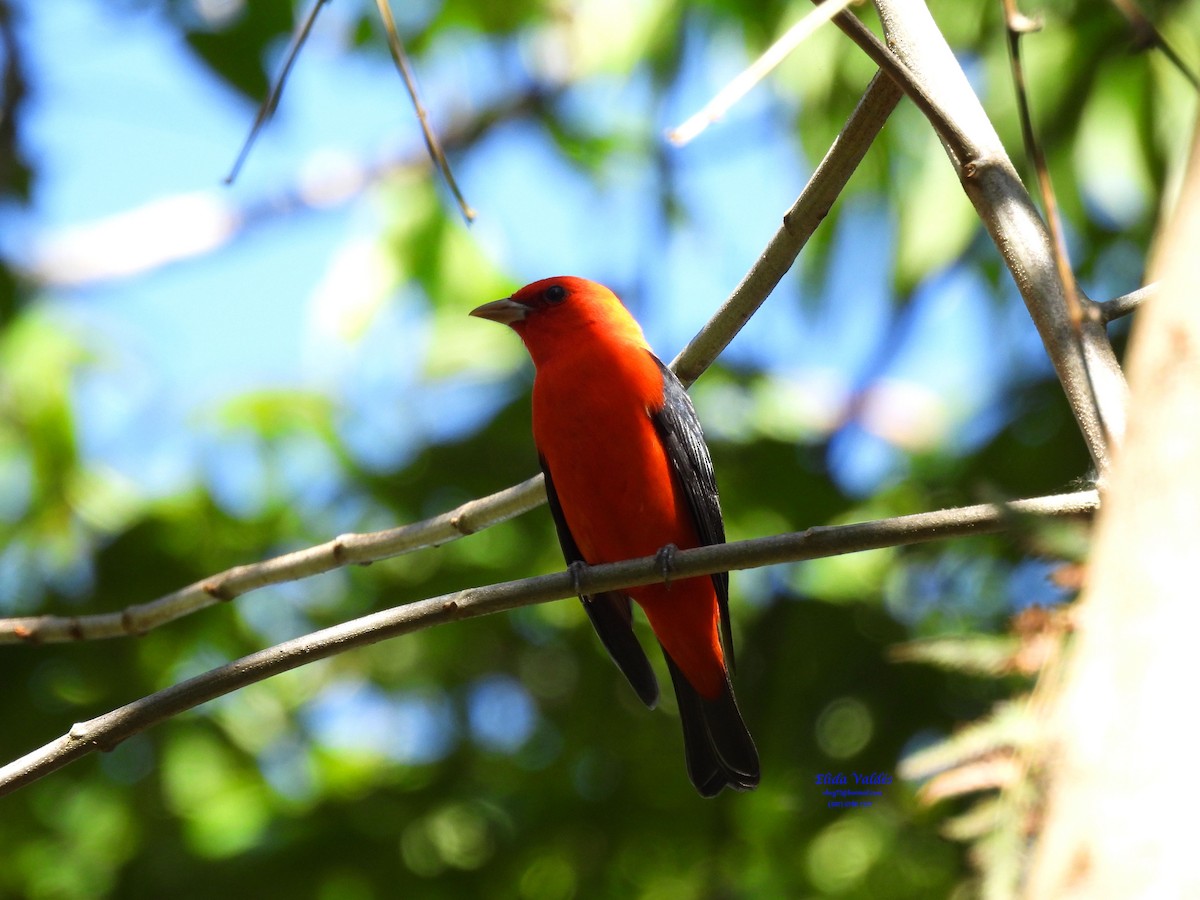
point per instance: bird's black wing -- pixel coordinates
(611, 614)
(719, 750)
(679, 429)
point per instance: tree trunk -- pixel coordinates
(1123, 792)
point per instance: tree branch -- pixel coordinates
(347, 549)
(745, 80)
(799, 223)
(1127, 303)
(1016, 25)
(958, 143)
(1146, 35)
(396, 47)
(924, 66)
(271, 101)
(109, 730)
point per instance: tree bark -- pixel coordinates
(1123, 794)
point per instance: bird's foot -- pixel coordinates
(665, 557)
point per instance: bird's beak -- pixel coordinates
(506, 311)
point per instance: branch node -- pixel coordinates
(458, 523)
(577, 569)
(1019, 23)
(129, 624)
(25, 633)
(665, 560)
(338, 551)
(972, 169)
(218, 591)
(75, 628)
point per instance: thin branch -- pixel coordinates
(1017, 24)
(1146, 35)
(410, 84)
(1127, 303)
(271, 101)
(396, 47)
(957, 142)
(799, 223)
(109, 730)
(348, 549)
(927, 70)
(741, 85)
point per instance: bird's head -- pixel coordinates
(554, 315)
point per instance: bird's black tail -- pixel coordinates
(719, 750)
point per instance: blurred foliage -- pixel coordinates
(505, 757)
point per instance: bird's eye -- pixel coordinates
(556, 293)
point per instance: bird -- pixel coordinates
(628, 474)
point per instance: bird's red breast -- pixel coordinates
(595, 388)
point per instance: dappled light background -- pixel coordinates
(195, 376)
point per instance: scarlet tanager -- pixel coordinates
(628, 474)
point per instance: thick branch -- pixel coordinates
(107, 731)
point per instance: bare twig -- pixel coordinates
(271, 101)
(756, 72)
(1146, 35)
(1127, 303)
(410, 84)
(799, 223)
(957, 142)
(1017, 24)
(396, 47)
(107, 731)
(929, 73)
(345, 550)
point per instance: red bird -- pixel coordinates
(627, 474)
